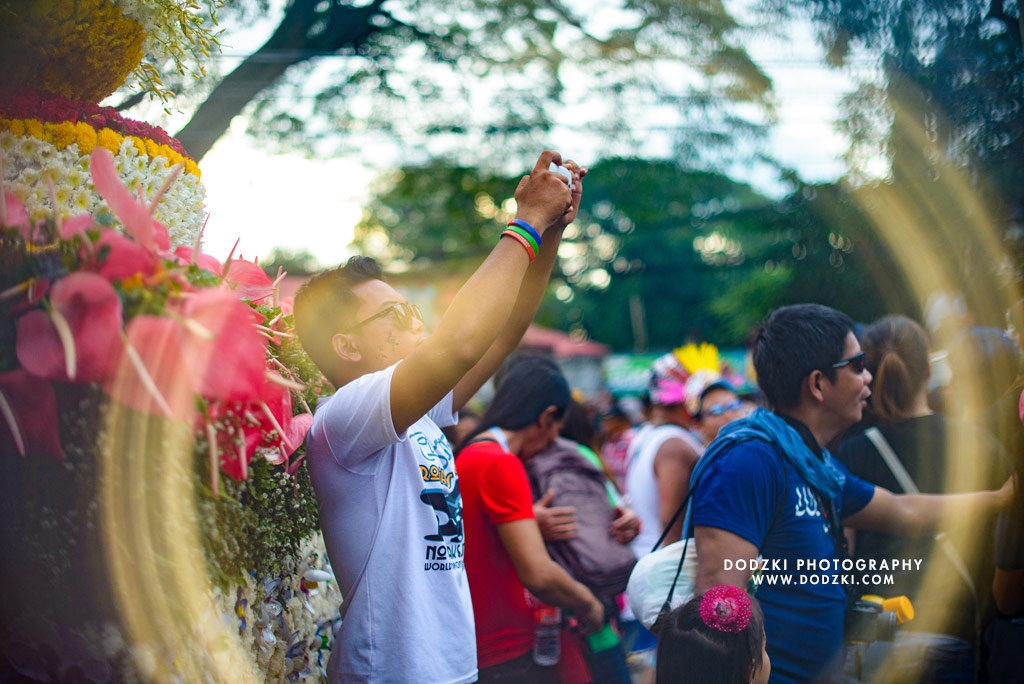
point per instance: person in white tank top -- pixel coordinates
(661, 458)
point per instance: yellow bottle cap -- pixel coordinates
(900, 605)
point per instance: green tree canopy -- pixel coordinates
(483, 75)
(693, 254)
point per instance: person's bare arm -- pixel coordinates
(714, 547)
(481, 308)
(544, 578)
(530, 294)
(1008, 591)
(673, 465)
(912, 514)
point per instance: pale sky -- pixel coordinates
(290, 201)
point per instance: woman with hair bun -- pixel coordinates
(937, 646)
(714, 638)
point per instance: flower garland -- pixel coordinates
(175, 32)
(85, 49)
(54, 108)
(34, 151)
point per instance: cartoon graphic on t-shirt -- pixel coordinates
(433, 451)
(447, 507)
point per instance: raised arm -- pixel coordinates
(530, 294)
(482, 306)
(923, 513)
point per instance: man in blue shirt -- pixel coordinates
(767, 487)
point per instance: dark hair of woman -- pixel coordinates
(896, 354)
(526, 391)
(692, 652)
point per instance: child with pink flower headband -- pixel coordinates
(715, 638)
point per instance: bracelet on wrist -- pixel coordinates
(521, 240)
(527, 227)
(526, 236)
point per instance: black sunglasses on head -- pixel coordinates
(404, 314)
(855, 362)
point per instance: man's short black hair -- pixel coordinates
(324, 306)
(793, 342)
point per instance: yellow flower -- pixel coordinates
(18, 127)
(63, 134)
(34, 127)
(109, 139)
(85, 136)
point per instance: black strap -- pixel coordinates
(666, 607)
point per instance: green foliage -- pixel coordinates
(292, 262)
(952, 76)
(702, 256)
(492, 77)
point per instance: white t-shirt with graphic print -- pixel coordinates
(391, 514)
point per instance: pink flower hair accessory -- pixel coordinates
(726, 608)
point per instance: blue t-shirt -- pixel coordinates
(741, 493)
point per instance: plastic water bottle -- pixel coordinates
(547, 624)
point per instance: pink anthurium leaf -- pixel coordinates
(17, 215)
(206, 262)
(152, 373)
(79, 339)
(75, 225)
(28, 415)
(226, 352)
(122, 258)
(297, 428)
(248, 281)
(133, 212)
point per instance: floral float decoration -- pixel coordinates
(101, 301)
(59, 58)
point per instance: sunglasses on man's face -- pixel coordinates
(404, 314)
(855, 362)
(720, 409)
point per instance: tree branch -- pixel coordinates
(130, 101)
(290, 44)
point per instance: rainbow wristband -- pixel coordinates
(526, 245)
(529, 238)
(528, 228)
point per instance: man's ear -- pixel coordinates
(813, 384)
(345, 348)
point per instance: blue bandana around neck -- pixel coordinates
(820, 473)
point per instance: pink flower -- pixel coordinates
(225, 350)
(248, 281)
(265, 427)
(152, 373)
(15, 215)
(122, 258)
(204, 261)
(75, 225)
(79, 338)
(133, 212)
(28, 415)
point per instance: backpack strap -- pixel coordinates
(906, 482)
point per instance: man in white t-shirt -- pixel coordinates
(384, 476)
